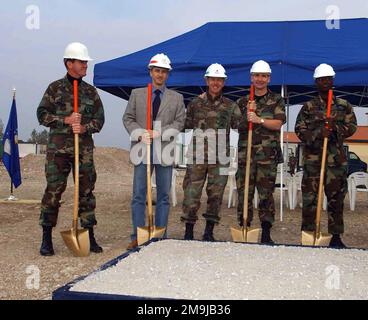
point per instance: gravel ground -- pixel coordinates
(224, 270)
(27, 275)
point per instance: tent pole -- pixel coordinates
(287, 125)
(182, 160)
(286, 93)
(282, 165)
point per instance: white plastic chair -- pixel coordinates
(287, 185)
(357, 182)
(233, 167)
(232, 190)
(233, 193)
(297, 186)
(173, 187)
(255, 202)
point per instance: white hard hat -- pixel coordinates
(260, 66)
(216, 70)
(324, 70)
(76, 50)
(161, 61)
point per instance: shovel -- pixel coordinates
(246, 234)
(316, 238)
(145, 234)
(77, 240)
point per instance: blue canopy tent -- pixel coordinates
(293, 49)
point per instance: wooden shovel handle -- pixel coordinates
(76, 163)
(323, 165)
(247, 166)
(149, 105)
(251, 98)
(149, 187)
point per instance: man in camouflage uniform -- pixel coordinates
(293, 161)
(311, 130)
(268, 116)
(210, 116)
(56, 111)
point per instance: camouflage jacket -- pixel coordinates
(308, 127)
(211, 121)
(265, 143)
(58, 103)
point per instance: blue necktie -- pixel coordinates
(156, 104)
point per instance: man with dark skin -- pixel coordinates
(311, 129)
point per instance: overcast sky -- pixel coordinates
(31, 59)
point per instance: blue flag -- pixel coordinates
(10, 144)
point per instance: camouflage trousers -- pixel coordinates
(262, 177)
(193, 184)
(57, 170)
(335, 185)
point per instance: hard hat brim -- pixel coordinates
(79, 58)
(318, 77)
(209, 76)
(153, 66)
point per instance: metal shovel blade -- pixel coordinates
(145, 234)
(77, 241)
(246, 235)
(310, 238)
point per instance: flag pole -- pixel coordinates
(12, 197)
(11, 188)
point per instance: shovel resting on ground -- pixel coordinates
(77, 240)
(145, 234)
(245, 233)
(316, 238)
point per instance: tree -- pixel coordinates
(43, 137)
(33, 136)
(39, 137)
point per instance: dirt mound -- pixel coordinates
(107, 160)
(112, 166)
(32, 165)
(112, 160)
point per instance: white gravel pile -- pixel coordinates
(203, 270)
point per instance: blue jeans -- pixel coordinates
(163, 183)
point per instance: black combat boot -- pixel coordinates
(266, 233)
(208, 232)
(46, 246)
(94, 247)
(336, 242)
(188, 231)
